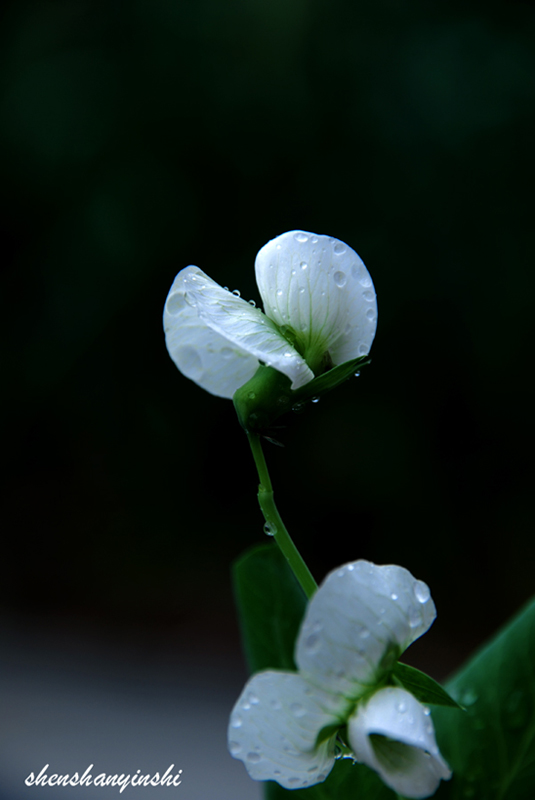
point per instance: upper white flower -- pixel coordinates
(359, 621)
(319, 302)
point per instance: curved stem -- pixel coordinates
(273, 519)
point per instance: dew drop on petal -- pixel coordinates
(421, 591)
(365, 282)
(312, 769)
(394, 596)
(297, 710)
(252, 303)
(312, 643)
(339, 248)
(302, 290)
(415, 617)
(236, 293)
(369, 296)
(253, 699)
(254, 758)
(234, 748)
(293, 779)
(226, 352)
(288, 355)
(427, 711)
(364, 634)
(270, 529)
(236, 721)
(279, 293)
(401, 707)
(370, 314)
(300, 237)
(303, 265)
(340, 279)
(176, 303)
(363, 349)
(315, 399)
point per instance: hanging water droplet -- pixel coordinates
(422, 592)
(316, 399)
(252, 303)
(427, 711)
(236, 293)
(340, 279)
(303, 265)
(226, 288)
(270, 529)
(357, 373)
(300, 237)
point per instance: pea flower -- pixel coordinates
(360, 620)
(320, 311)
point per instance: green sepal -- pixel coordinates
(422, 686)
(268, 394)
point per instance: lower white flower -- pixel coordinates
(320, 309)
(360, 620)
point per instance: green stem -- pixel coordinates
(273, 519)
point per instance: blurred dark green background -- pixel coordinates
(140, 137)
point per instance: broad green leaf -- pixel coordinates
(330, 380)
(270, 604)
(422, 686)
(491, 747)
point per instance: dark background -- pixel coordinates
(140, 137)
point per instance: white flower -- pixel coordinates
(320, 308)
(360, 620)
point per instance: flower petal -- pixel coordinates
(199, 352)
(320, 288)
(361, 618)
(393, 734)
(273, 730)
(242, 325)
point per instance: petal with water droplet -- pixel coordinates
(246, 330)
(393, 735)
(354, 629)
(317, 286)
(276, 737)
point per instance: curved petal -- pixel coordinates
(273, 730)
(199, 352)
(393, 734)
(359, 621)
(242, 325)
(320, 288)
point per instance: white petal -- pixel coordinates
(408, 759)
(361, 615)
(244, 326)
(273, 730)
(319, 287)
(199, 352)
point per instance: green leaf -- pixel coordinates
(491, 748)
(270, 604)
(422, 686)
(330, 380)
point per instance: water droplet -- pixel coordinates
(293, 272)
(277, 771)
(340, 279)
(254, 758)
(293, 779)
(394, 596)
(401, 707)
(303, 265)
(270, 529)
(279, 293)
(253, 699)
(313, 769)
(365, 281)
(357, 374)
(288, 355)
(427, 711)
(251, 395)
(300, 237)
(315, 399)
(369, 296)
(321, 777)
(226, 352)
(468, 698)
(421, 591)
(312, 643)
(370, 314)
(234, 748)
(176, 303)
(298, 710)
(339, 248)
(415, 617)
(252, 303)
(298, 407)
(236, 293)
(364, 634)
(226, 288)
(363, 349)
(302, 290)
